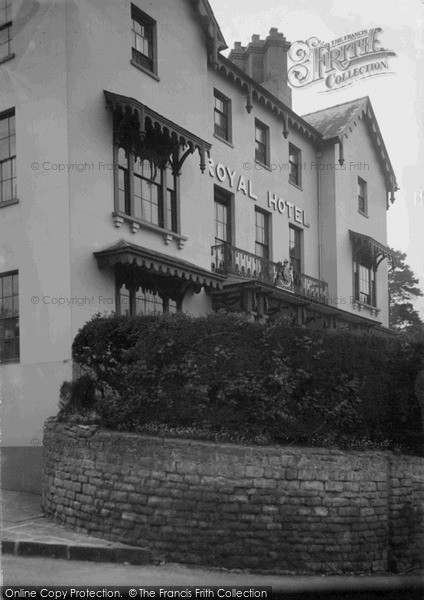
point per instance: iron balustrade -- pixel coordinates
(229, 260)
(310, 287)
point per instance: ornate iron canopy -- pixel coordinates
(149, 136)
(365, 246)
(140, 264)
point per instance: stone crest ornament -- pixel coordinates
(284, 274)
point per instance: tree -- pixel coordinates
(403, 291)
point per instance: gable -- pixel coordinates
(204, 16)
(336, 124)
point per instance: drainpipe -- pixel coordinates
(318, 156)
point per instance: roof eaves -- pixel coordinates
(239, 77)
(365, 109)
(204, 10)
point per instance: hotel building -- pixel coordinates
(141, 170)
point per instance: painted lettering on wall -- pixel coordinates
(245, 186)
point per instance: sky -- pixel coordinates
(397, 97)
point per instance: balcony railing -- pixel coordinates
(229, 260)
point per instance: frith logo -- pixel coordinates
(338, 63)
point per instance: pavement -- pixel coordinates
(26, 531)
(27, 534)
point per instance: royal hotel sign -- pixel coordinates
(242, 184)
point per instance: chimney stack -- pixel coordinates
(265, 61)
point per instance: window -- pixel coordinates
(222, 216)
(261, 143)
(295, 162)
(5, 29)
(222, 116)
(362, 196)
(143, 302)
(295, 248)
(262, 233)
(143, 40)
(146, 191)
(148, 205)
(123, 182)
(364, 282)
(7, 157)
(9, 317)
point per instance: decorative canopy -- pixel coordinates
(366, 246)
(141, 262)
(148, 135)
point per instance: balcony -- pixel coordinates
(229, 260)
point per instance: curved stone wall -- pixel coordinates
(271, 509)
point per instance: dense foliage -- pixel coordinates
(221, 377)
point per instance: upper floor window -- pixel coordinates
(7, 157)
(362, 196)
(262, 233)
(295, 248)
(9, 316)
(143, 40)
(5, 29)
(222, 216)
(261, 143)
(146, 191)
(144, 302)
(364, 282)
(295, 162)
(222, 116)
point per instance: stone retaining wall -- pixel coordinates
(272, 509)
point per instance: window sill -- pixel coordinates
(360, 306)
(364, 214)
(136, 224)
(221, 139)
(7, 58)
(263, 165)
(296, 185)
(9, 202)
(144, 70)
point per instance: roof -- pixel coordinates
(209, 24)
(332, 121)
(335, 124)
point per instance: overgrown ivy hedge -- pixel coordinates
(221, 377)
